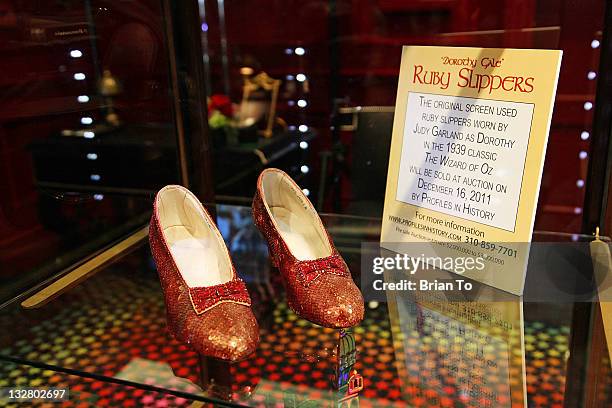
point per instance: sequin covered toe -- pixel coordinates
(318, 283)
(207, 304)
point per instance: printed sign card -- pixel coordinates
(469, 140)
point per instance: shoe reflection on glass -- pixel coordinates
(318, 283)
(347, 357)
(207, 304)
(237, 383)
(349, 382)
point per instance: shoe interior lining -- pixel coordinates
(297, 221)
(197, 248)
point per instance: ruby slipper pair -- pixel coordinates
(208, 305)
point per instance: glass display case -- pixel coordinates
(408, 351)
(102, 103)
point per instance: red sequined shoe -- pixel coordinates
(317, 281)
(207, 304)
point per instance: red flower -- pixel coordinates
(222, 103)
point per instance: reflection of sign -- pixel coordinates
(467, 152)
(468, 352)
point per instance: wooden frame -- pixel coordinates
(267, 83)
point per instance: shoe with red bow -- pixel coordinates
(207, 304)
(318, 283)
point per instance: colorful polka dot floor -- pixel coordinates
(113, 326)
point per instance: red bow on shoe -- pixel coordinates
(309, 271)
(205, 298)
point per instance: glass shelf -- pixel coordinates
(111, 328)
